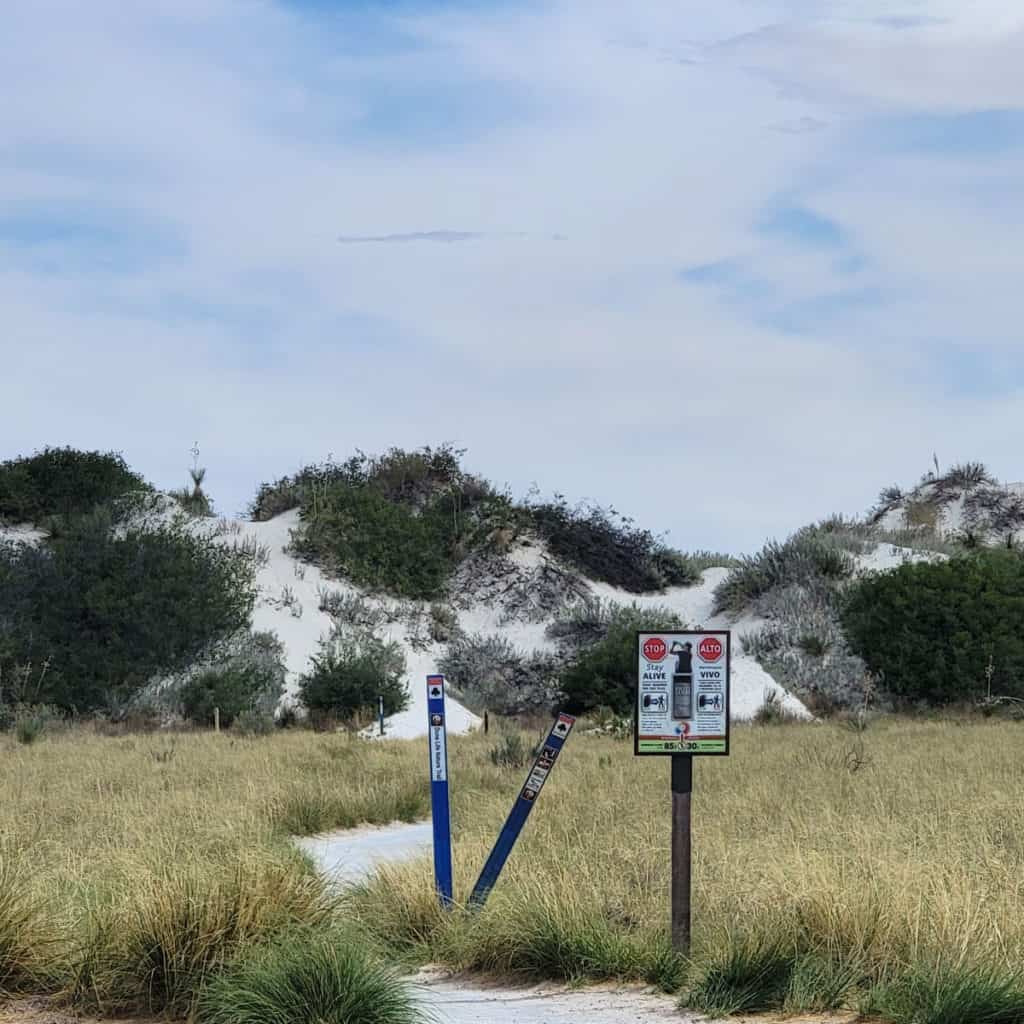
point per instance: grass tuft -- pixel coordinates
(949, 994)
(326, 977)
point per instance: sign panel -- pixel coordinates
(439, 802)
(542, 766)
(682, 694)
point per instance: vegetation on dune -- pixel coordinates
(89, 618)
(602, 673)
(350, 673)
(403, 522)
(608, 547)
(813, 553)
(943, 632)
(246, 682)
(63, 482)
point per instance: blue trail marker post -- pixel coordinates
(521, 809)
(439, 804)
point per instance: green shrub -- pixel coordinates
(930, 630)
(106, 612)
(808, 556)
(604, 675)
(325, 976)
(608, 547)
(233, 688)
(377, 544)
(62, 482)
(350, 673)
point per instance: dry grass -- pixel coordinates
(148, 863)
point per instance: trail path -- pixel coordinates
(347, 856)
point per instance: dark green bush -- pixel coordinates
(607, 547)
(930, 630)
(604, 675)
(102, 613)
(350, 673)
(244, 685)
(63, 482)
(400, 523)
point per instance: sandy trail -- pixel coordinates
(349, 855)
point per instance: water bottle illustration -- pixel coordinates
(682, 680)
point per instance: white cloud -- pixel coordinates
(642, 134)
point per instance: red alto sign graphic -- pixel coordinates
(654, 649)
(710, 648)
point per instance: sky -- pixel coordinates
(728, 268)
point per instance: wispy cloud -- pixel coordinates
(443, 236)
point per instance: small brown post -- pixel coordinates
(486, 723)
(216, 719)
(682, 789)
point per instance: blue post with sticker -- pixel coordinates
(542, 766)
(439, 804)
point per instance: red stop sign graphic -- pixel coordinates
(654, 648)
(710, 648)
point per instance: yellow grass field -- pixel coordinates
(132, 866)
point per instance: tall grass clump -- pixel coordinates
(63, 482)
(27, 938)
(328, 977)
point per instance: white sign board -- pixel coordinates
(682, 694)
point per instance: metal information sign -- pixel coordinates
(542, 766)
(682, 697)
(439, 804)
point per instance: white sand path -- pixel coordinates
(348, 856)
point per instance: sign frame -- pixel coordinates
(697, 635)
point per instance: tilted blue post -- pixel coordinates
(437, 737)
(521, 809)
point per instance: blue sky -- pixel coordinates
(728, 267)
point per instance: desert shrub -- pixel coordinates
(604, 674)
(490, 674)
(251, 683)
(106, 612)
(810, 554)
(309, 975)
(929, 630)
(607, 546)
(350, 672)
(62, 482)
